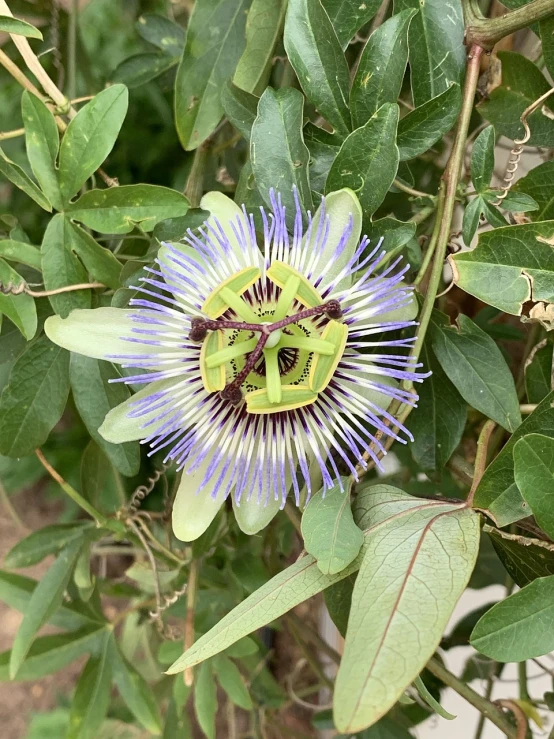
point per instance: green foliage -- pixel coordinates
(379, 108)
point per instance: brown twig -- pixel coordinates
(519, 715)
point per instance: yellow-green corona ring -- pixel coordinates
(260, 357)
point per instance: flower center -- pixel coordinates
(284, 362)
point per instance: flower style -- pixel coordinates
(258, 363)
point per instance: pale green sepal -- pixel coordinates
(98, 333)
(119, 428)
(194, 511)
(226, 212)
(253, 516)
(339, 206)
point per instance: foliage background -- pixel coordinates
(240, 97)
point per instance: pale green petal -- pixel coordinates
(97, 333)
(226, 211)
(194, 511)
(118, 427)
(253, 516)
(339, 206)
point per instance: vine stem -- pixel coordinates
(438, 245)
(487, 32)
(192, 589)
(484, 706)
(481, 458)
(519, 715)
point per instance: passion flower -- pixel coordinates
(259, 361)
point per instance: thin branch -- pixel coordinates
(11, 289)
(192, 588)
(484, 706)
(412, 191)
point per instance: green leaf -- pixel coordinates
(348, 16)
(117, 210)
(139, 69)
(205, 699)
(20, 309)
(461, 631)
(277, 151)
(92, 696)
(482, 159)
(395, 234)
(497, 492)
(263, 28)
(368, 160)
(232, 682)
(517, 202)
(46, 598)
(297, 583)
(286, 590)
(318, 60)
(534, 475)
(427, 696)
(539, 374)
(330, 534)
(414, 548)
(510, 266)
(438, 422)
(425, 125)
(8, 24)
(162, 32)
(323, 147)
(338, 599)
(514, 629)
(51, 653)
(93, 472)
(381, 68)
(215, 42)
(436, 41)
(539, 184)
(243, 648)
(60, 266)
(472, 216)
(17, 592)
(21, 252)
(524, 561)
(94, 397)
(90, 137)
(522, 83)
(98, 261)
(45, 541)
(546, 30)
(137, 694)
(241, 108)
(34, 398)
(42, 142)
(20, 179)
(476, 367)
